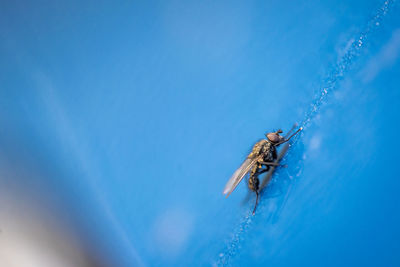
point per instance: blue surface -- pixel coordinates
(137, 114)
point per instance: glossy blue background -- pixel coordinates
(134, 115)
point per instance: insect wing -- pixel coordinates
(238, 175)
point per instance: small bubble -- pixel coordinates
(377, 24)
(221, 255)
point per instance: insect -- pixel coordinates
(262, 156)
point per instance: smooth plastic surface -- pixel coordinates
(136, 115)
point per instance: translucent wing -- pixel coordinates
(238, 175)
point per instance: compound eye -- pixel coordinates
(273, 137)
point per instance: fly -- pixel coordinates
(260, 159)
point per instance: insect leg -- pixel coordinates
(255, 206)
(286, 140)
(269, 163)
(291, 130)
(261, 171)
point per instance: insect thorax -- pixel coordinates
(263, 147)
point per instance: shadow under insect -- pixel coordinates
(278, 182)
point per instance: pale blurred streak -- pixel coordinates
(385, 58)
(32, 230)
(29, 238)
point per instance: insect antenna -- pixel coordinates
(255, 206)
